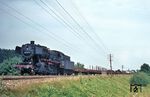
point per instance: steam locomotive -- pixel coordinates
(39, 59)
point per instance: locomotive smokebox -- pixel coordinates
(31, 42)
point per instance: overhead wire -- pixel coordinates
(84, 19)
(51, 35)
(59, 18)
(75, 22)
(63, 22)
(29, 19)
(81, 28)
(103, 47)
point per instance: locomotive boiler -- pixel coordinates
(37, 59)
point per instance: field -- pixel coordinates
(73, 86)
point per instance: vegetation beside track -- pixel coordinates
(79, 86)
(7, 66)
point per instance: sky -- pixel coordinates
(87, 30)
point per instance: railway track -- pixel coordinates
(25, 77)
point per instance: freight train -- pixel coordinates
(41, 60)
(37, 59)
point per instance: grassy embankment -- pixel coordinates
(92, 86)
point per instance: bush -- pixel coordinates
(6, 68)
(140, 78)
(145, 68)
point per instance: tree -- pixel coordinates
(140, 78)
(79, 65)
(7, 66)
(145, 68)
(6, 54)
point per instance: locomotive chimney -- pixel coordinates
(31, 42)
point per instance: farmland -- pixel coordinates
(73, 86)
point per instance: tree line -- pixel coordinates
(6, 54)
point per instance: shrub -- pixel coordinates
(140, 78)
(6, 68)
(145, 68)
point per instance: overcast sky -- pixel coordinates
(120, 27)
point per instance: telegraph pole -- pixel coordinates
(110, 61)
(122, 68)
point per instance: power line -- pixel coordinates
(34, 22)
(77, 34)
(60, 18)
(19, 19)
(29, 19)
(78, 24)
(105, 47)
(62, 21)
(51, 35)
(85, 31)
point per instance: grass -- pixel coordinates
(79, 86)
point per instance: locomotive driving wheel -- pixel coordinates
(40, 68)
